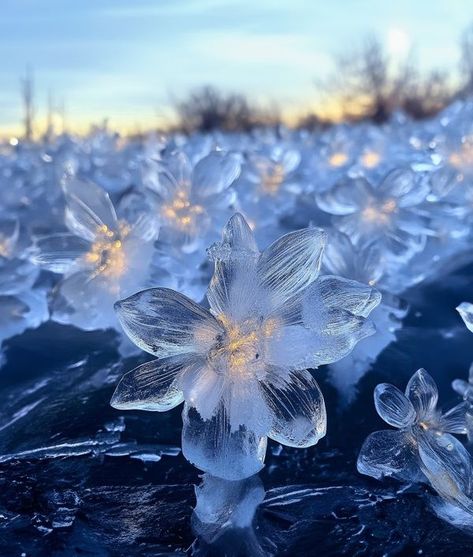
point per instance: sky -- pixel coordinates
(128, 60)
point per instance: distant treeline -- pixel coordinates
(368, 83)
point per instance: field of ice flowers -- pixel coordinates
(247, 265)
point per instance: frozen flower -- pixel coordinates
(191, 202)
(420, 427)
(465, 389)
(240, 367)
(101, 258)
(390, 214)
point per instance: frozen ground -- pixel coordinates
(80, 478)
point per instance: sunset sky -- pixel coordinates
(127, 60)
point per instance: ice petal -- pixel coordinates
(291, 263)
(214, 173)
(88, 209)
(422, 392)
(298, 409)
(212, 445)
(465, 309)
(389, 454)
(393, 406)
(402, 185)
(166, 323)
(233, 289)
(448, 467)
(345, 198)
(454, 421)
(290, 160)
(58, 252)
(152, 386)
(203, 389)
(340, 293)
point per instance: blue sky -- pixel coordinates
(128, 59)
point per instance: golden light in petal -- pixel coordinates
(370, 159)
(106, 254)
(272, 177)
(463, 157)
(338, 159)
(181, 213)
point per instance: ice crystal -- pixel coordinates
(240, 367)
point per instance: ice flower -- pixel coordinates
(101, 258)
(241, 365)
(421, 429)
(191, 200)
(390, 214)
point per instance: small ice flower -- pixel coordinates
(240, 367)
(102, 258)
(417, 420)
(390, 214)
(191, 200)
(273, 172)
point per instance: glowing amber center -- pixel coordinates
(380, 214)
(272, 178)
(338, 159)
(106, 254)
(462, 158)
(370, 159)
(240, 350)
(180, 213)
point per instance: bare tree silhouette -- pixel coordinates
(207, 109)
(27, 95)
(466, 61)
(370, 84)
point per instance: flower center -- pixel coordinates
(380, 214)
(370, 159)
(181, 214)
(106, 254)
(272, 178)
(239, 351)
(338, 159)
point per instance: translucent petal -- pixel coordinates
(152, 386)
(422, 392)
(166, 323)
(465, 309)
(403, 185)
(233, 289)
(297, 406)
(389, 454)
(58, 252)
(291, 263)
(203, 389)
(16, 275)
(454, 421)
(340, 293)
(88, 209)
(214, 173)
(448, 467)
(393, 406)
(212, 445)
(345, 198)
(290, 160)
(9, 233)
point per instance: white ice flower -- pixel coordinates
(241, 366)
(101, 259)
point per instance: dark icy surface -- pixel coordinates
(80, 478)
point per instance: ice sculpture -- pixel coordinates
(241, 367)
(101, 258)
(422, 447)
(191, 201)
(390, 214)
